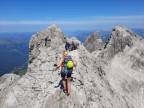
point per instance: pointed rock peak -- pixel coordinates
(93, 38)
(52, 38)
(93, 43)
(119, 39)
(121, 31)
(94, 35)
(119, 28)
(54, 27)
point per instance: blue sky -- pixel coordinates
(70, 15)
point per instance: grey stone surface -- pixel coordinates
(107, 78)
(93, 43)
(119, 39)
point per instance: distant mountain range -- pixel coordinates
(13, 52)
(17, 36)
(14, 49)
(82, 35)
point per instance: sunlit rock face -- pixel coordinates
(108, 75)
(93, 43)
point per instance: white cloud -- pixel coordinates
(118, 17)
(92, 21)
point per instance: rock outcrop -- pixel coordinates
(108, 78)
(120, 38)
(93, 43)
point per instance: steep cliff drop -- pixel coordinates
(108, 77)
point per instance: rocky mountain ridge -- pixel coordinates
(108, 78)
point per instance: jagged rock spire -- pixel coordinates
(93, 43)
(52, 38)
(119, 39)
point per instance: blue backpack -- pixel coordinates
(64, 68)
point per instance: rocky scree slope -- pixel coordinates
(108, 78)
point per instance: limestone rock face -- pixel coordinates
(93, 43)
(6, 81)
(120, 38)
(108, 78)
(51, 38)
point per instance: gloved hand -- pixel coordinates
(55, 65)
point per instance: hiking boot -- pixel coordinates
(68, 93)
(64, 90)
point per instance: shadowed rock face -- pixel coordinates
(72, 44)
(108, 78)
(93, 43)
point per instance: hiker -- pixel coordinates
(67, 65)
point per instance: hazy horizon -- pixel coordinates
(64, 30)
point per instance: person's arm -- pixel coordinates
(74, 63)
(59, 64)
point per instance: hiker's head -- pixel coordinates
(65, 53)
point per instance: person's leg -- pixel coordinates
(69, 81)
(63, 79)
(64, 82)
(69, 84)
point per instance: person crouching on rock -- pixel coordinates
(67, 65)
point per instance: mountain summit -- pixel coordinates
(93, 43)
(108, 75)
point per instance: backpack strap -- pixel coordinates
(67, 57)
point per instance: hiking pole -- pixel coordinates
(54, 70)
